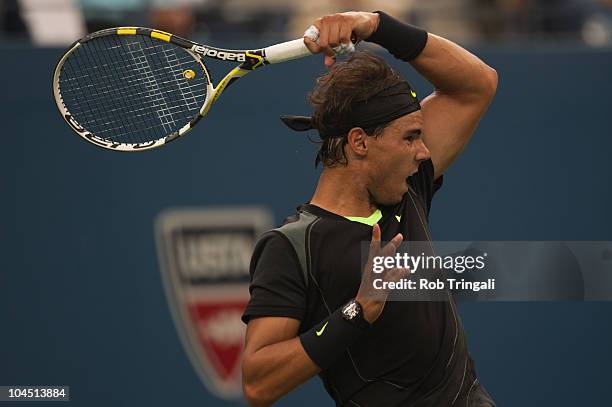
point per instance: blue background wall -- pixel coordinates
(81, 301)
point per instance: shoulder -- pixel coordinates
(279, 278)
(286, 243)
(292, 233)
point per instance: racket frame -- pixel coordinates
(249, 61)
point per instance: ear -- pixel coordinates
(357, 141)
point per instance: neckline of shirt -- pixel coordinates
(375, 217)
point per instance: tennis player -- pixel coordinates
(383, 152)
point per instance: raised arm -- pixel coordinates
(464, 85)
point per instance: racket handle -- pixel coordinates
(286, 51)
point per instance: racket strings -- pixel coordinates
(154, 91)
(103, 80)
(132, 89)
(100, 77)
(102, 119)
(186, 92)
(132, 80)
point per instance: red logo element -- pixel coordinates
(220, 332)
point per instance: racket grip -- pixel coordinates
(286, 51)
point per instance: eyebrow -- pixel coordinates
(413, 132)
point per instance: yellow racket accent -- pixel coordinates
(161, 35)
(189, 74)
(126, 31)
(234, 73)
(259, 58)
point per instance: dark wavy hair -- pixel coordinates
(346, 82)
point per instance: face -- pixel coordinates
(393, 156)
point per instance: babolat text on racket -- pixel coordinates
(134, 89)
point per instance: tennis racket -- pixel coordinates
(135, 89)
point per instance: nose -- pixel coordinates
(422, 152)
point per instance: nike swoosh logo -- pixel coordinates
(398, 217)
(320, 331)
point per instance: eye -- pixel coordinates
(412, 136)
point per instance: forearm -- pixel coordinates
(450, 68)
(270, 371)
(455, 71)
(275, 370)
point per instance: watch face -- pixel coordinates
(351, 310)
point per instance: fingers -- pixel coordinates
(392, 245)
(312, 46)
(334, 30)
(390, 248)
(333, 36)
(345, 34)
(396, 274)
(327, 32)
(329, 60)
(397, 240)
(375, 242)
(323, 34)
(367, 290)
